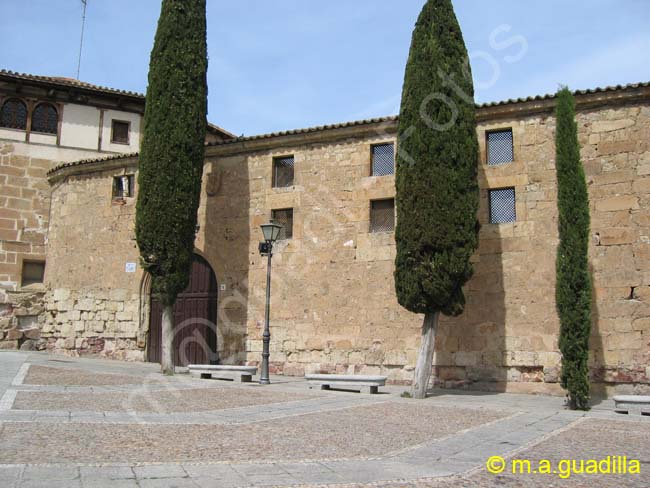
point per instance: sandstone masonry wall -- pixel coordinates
(24, 213)
(333, 304)
(93, 303)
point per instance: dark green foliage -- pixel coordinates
(171, 157)
(573, 287)
(436, 179)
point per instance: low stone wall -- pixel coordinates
(100, 322)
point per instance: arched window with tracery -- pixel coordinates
(13, 114)
(45, 119)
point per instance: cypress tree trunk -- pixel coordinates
(437, 193)
(425, 358)
(171, 156)
(167, 353)
(573, 285)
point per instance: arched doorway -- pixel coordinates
(195, 320)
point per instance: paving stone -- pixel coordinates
(50, 484)
(168, 483)
(220, 483)
(214, 471)
(50, 473)
(163, 471)
(108, 483)
(107, 472)
(8, 475)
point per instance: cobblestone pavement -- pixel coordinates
(150, 400)
(43, 375)
(92, 423)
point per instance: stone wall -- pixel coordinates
(103, 322)
(333, 304)
(93, 304)
(24, 213)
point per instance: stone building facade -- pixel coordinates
(333, 302)
(45, 121)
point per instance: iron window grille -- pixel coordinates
(283, 169)
(33, 272)
(284, 217)
(120, 132)
(500, 149)
(45, 119)
(502, 206)
(382, 215)
(383, 159)
(13, 114)
(122, 187)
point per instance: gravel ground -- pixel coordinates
(165, 401)
(354, 432)
(590, 439)
(42, 375)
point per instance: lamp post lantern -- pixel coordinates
(271, 233)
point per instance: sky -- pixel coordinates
(286, 64)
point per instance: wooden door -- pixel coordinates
(195, 320)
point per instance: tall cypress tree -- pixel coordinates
(573, 286)
(436, 179)
(171, 156)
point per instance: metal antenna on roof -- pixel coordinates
(81, 43)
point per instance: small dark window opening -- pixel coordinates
(283, 172)
(45, 119)
(122, 187)
(500, 149)
(382, 215)
(33, 272)
(383, 159)
(502, 206)
(284, 217)
(120, 132)
(13, 114)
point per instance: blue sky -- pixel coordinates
(285, 64)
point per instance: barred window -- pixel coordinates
(283, 172)
(33, 272)
(500, 147)
(382, 215)
(383, 159)
(120, 132)
(122, 187)
(13, 114)
(45, 119)
(284, 217)
(502, 206)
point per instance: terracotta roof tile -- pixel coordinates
(69, 82)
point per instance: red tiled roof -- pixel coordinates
(389, 119)
(69, 82)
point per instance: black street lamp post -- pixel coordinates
(271, 232)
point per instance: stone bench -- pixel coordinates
(632, 404)
(354, 382)
(242, 374)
